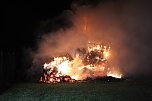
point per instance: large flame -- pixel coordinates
(90, 62)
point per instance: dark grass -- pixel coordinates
(134, 90)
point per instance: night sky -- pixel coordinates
(22, 20)
(21, 24)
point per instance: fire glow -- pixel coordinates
(90, 62)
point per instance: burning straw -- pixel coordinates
(90, 62)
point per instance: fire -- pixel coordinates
(116, 75)
(64, 67)
(90, 62)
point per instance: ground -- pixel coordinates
(128, 90)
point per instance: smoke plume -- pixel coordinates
(125, 26)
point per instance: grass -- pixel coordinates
(80, 91)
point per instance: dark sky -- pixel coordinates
(22, 20)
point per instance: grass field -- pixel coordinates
(80, 91)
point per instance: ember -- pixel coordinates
(88, 62)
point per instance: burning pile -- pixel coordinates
(88, 62)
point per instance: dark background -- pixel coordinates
(21, 23)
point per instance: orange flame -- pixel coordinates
(92, 64)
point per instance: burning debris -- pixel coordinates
(89, 62)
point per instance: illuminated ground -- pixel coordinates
(84, 91)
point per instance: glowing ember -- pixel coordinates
(90, 62)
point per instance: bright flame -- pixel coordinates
(114, 74)
(92, 64)
(64, 67)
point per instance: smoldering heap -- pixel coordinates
(88, 62)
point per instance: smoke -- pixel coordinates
(123, 25)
